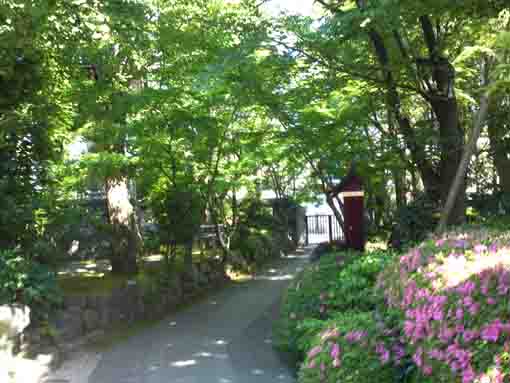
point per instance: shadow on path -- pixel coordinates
(224, 339)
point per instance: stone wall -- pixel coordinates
(84, 318)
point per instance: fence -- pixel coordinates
(322, 228)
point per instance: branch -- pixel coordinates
(351, 72)
(429, 35)
(329, 7)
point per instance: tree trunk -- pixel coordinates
(126, 238)
(188, 247)
(458, 183)
(223, 242)
(444, 104)
(451, 142)
(498, 126)
(400, 188)
(337, 210)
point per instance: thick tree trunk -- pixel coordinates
(400, 188)
(126, 238)
(452, 144)
(498, 126)
(444, 104)
(458, 181)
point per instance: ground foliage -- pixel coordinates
(436, 313)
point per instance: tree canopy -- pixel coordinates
(203, 102)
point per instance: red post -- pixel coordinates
(353, 211)
(353, 195)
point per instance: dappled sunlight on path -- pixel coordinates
(224, 339)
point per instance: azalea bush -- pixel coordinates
(339, 282)
(453, 295)
(352, 347)
(306, 299)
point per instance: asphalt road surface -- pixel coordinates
(226, 338)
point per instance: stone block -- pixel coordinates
(91, 320)
(68, 324)
(79, 301)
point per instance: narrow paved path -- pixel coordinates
(224, 339)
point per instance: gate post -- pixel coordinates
(307, 240)
(330, 227)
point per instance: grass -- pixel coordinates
(94, 277)
(101, 284)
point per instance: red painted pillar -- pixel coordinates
(353, 215)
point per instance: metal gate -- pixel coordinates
(322, 228)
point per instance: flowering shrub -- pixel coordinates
(351, 348)
(453, 295)
(305, 299)
(338, 283)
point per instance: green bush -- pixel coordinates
(354, 287)
(414, 222)
(349, 348)
(339, 282)
(489, 205)
(27, 282)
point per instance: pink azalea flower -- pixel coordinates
(314, 352)
(418, 357)
(468, 376)
(459, 314)
(355, 336)
(474, 309)
(384, 354)
(440, 242)
(490, 333)
(427, 370)
(436, 354)
(398, 353)
(467, 288)
(446, 333)
(470, 335)
(330, 334)
(335, 351)
(480, 248)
